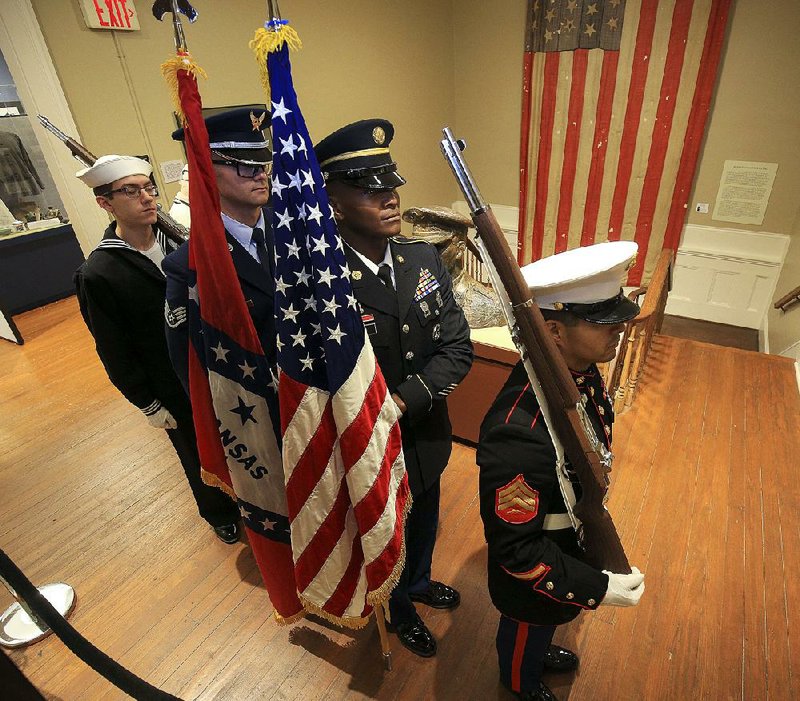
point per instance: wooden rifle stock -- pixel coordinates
(172, 229)
(586, 453)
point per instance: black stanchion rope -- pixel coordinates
(80, 646)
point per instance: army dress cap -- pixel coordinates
(238, 135)
(358, 154)
(586, 281)
(107, 169)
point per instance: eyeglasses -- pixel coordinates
(247, 170)
(134, 192)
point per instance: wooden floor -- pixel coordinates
(706, 498)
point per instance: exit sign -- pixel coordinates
(110, 14)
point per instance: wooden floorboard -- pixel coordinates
(705, 496)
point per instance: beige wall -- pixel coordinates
(488, 48)
(360, 59)
(756, 117)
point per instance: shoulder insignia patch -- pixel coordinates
(516, 502)
(174, 317)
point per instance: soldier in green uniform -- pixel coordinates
(420, 338)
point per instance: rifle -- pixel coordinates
(172, 229)
(555, 389)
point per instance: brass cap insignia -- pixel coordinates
(379, 135)
(257, 121)
(400, 259)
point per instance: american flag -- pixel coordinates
(232, 388)
(346, 485)
(616, 95)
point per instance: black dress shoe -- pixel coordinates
(543, 693)
(559, 659)
(415, 636)
(438, 596)
(228, 534)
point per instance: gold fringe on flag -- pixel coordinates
(182, 61)
(353, 623)
(271, 37)
(382, 594)
(212, 480)
(288, 620)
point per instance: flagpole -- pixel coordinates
(386, 650)
(274, 10)
(180, 38)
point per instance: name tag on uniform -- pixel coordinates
(369, 324)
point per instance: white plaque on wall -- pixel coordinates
(744, 191)
(110, 14)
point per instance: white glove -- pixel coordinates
(624, 589)
(162, 419)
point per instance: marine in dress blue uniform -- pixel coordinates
(537, 579)
(420, 338)
(120, 291)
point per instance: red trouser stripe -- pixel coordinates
(519, 653)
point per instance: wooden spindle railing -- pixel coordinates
(638, 335)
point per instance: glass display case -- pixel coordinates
(38, 248)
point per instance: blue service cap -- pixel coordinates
(238, 134)
(358, 154)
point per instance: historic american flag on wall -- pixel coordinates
(346, 485)
(615, 99)
(232, 387)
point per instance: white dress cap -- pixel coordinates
(581, 276)
(107, 169)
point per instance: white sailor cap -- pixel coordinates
(586, 281)
(107, 169)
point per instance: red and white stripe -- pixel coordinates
(610, 140)
(346, 489)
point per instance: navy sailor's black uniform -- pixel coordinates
(537, 579)
(422, 344)
(121, 297)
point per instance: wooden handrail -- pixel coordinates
(788, 300)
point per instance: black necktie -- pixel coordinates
(261, 249)
(385, 274)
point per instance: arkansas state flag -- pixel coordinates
(232, 387)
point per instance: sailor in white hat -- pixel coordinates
(121, 291)
(537, 578)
